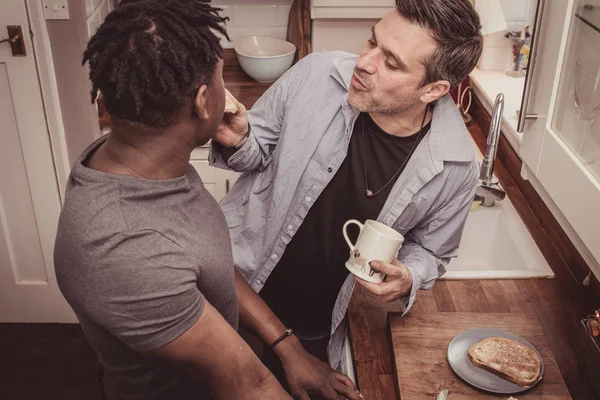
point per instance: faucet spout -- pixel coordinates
(489, 191)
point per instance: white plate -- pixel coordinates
(458, 358)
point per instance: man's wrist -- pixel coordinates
(241, 142)
(287, 348)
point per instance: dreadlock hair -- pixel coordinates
(149, 58)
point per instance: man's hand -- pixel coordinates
(309, 377)
(234, 127)
(398, 281)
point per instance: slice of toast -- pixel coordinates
(230, 106)
(507, 359)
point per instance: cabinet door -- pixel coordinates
(218, 182)
(225, 181)
(563, 149)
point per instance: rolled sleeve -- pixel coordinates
(430, 246)
(424, 267)
(246, 158)
(266, 120)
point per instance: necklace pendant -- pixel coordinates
(369, 193)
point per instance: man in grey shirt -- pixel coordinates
(143, 253)
(341, 136)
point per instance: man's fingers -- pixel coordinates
(346, 388)
(373, 288)
(397, 263)
(388, 269)
(302, 396)
(378, 289)
(345, 380)
(330, 393)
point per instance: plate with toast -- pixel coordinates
(495, 361)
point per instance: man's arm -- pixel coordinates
(146, 295)
(427, 249)
(306, 375)
(211, 351)
(266, 121)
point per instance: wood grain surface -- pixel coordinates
(420, 343)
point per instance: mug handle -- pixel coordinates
(350, 222)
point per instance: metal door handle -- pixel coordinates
(12, 39)
(227, 185)
(16, 40)
(537, 27)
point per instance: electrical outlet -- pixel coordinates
(56, 9)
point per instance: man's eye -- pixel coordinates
(392, 67)
(372, 43)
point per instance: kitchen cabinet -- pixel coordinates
(561, 140)
(345, 24)
(360, 9)
(217, 181)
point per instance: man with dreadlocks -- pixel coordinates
(142, 251)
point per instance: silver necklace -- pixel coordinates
(370, 193)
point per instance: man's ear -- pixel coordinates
(435, 91)
(200, 103)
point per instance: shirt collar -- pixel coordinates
(450, 140)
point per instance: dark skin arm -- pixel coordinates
(211, 351)
(306, 375)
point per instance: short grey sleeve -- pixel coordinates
(144, 291)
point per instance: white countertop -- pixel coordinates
(487, 84)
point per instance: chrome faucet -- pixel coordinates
(488, 190)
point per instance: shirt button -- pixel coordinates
(330, 170)
(308, 199)
(290, 228)
(259, 282)
(274, 256)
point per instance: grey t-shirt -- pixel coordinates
(137, 260)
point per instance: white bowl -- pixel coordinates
(265, 59)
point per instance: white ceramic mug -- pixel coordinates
(376, 242)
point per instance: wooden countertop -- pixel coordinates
(420, 342)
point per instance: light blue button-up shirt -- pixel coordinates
(300, 132)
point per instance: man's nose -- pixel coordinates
(367, 62)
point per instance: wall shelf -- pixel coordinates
(350, 9)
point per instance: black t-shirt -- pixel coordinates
(304, 285)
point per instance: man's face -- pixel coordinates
(387, 78)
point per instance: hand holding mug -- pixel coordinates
(397, 283)
(373, 260)
(376, 242)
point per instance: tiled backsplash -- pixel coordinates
(255, 17)
(96, 11)
(246, 17)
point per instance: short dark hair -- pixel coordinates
(149, 58)
(455, 26)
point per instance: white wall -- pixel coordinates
(96, 11)
(254, 17)
(496, 48)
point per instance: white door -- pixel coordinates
(562, 147)
(29, 195)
